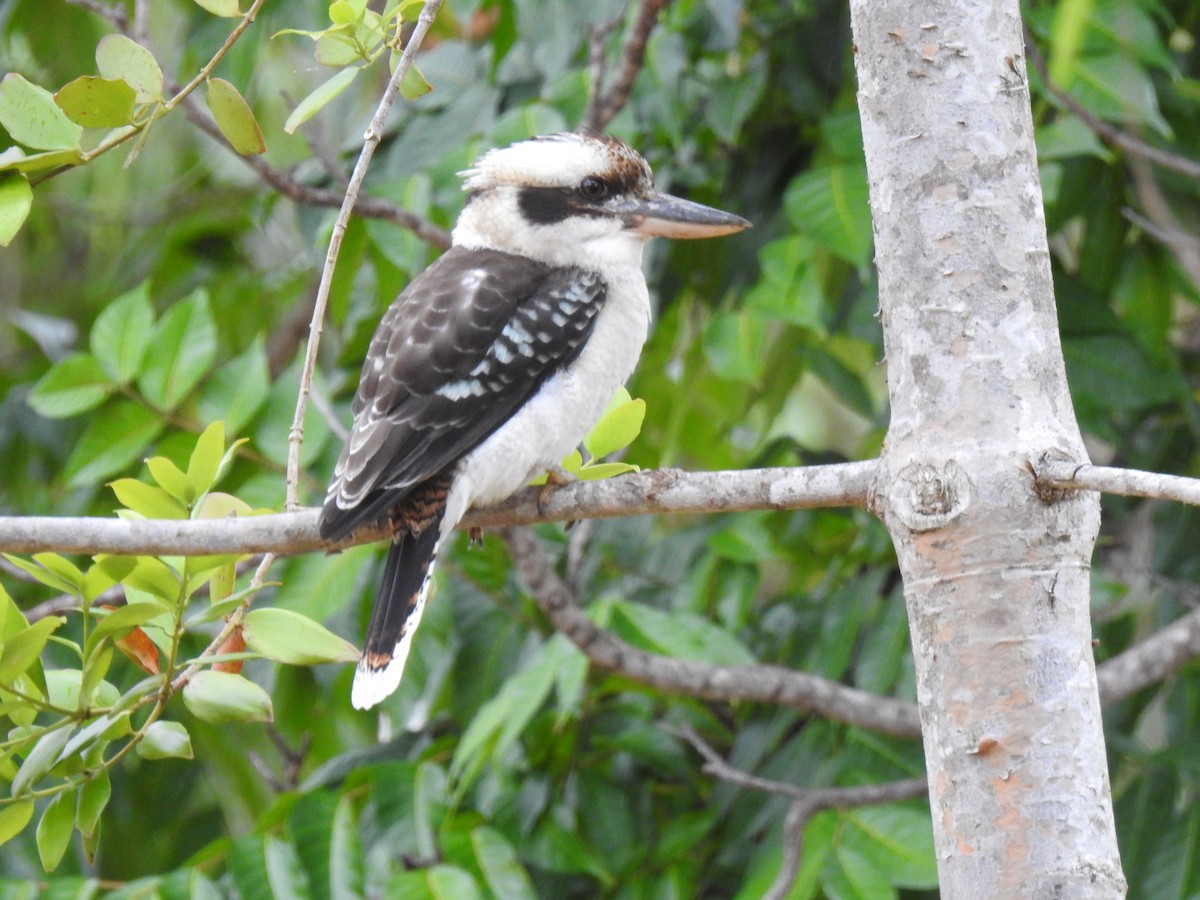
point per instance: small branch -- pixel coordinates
(366, 207)
(604, 105)
(806, 802)
(371, 139)
(1104, 130)
(111, 13)
(1151, 660)
(759, 683)
(1059, 475)
(651, 491)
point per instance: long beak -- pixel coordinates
(661, 215)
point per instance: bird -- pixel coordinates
(494, 362)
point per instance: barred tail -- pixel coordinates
(407, 577)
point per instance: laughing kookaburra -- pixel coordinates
(495, 361)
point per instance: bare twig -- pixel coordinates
(1151, 660)
(760, 683)
(364, 206)
(652, 491)
(1104, 130)
(806, 802)
(110, 12)
(371, 139)
(1058, 475)
(604, 104)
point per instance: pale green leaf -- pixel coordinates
(616, 429)
(171, 479)
(234, 117)
(225, 697)
(121, 58)
(16, 160)
(16, 199)
(40, 759)
(97, 102)
(226, 9)
(13, 819)
(205, 461)
(165, 740)
(147, 500)
(288, 637)
(31, 117)
(314, 102)
(23, 649)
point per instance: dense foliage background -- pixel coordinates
(505, 765)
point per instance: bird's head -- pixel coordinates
(576, 199)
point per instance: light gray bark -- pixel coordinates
(995, 571)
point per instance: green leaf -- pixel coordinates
(16, 199)
(898, 840)
(96, 666)
(16, 160)
(226, 9)
(40, 759)
(97, 102)
(123, 620)
(171, 479)
(13, 819)
(55, 828)
(830, 206)
(147, 500)
(501, 720)
(325, 830)
(205, 461)
(1110, 372)
(120, 58)
(236, 390)
(115, 438)
(288, 637)
(1116, 88)
(24, 648)
(502, 869)
(182, 350)
(165, 740)
(680, 634)
(225, 697)
(30, 115)
(234, 118)
(337, 50)
(616, 429)
(152, 576)
(413, 84)
(122, 333)
(733, 344)
(46, 576)
(71, 386)
(94, 795)
(313, 103)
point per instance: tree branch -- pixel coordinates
(1104, 130)
(806, 802)
(1151, 660)
(603, 105)
(1053, 474)
(371, 139)
(758, 683)
(641, 493)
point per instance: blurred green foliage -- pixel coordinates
(143, 300)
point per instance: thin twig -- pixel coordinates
(111, 13)
(371, 139)
(604, 104)
(760, 683)
(1151, 660)
(806, 802)
(364, 206)
(1105, 130)
(1059, 475)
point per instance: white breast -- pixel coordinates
(556, 419)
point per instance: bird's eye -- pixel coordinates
(593, 189)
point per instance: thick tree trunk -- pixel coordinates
(996, 577)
